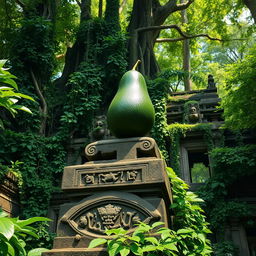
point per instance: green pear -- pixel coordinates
(131, 112)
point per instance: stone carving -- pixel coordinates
(100, 130)
(146, 144)
(107, 217)
(131, 175)
(91, 150)
(211, 83)
(92, 217)
(192, 113)
(122, 149)
(111, 177)
(89, 179)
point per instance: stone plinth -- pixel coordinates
(124, 183)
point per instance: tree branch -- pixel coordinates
(20, 3)
(183, 6)
(123, 3)
(42, 102)
(79, 3)
(162, 13)
(178, 29)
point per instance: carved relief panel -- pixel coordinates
(110, 177)
(107, 211)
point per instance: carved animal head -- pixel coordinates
(99, 127)
(192, 112)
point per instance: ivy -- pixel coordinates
(238, 162)
(158, 90)
(178, 131)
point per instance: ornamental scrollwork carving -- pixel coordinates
(108, 216)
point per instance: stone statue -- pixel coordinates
(192, 113)
(211, 83)
(100, 130)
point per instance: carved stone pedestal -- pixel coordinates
(124, 183)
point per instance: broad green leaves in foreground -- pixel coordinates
(9, 98)
(12, 234)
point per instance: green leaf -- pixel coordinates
(23, 108)
(24, 96)
(185, 231)
(19, 244)
(3, 214)
(37, 251)
(10, 82)
(96, 242)
(25, 231)
(114, 248)
(23, 223)
(6, 227)
(149, 248)
(117, 231)
(11, 250)
(171, 246)
(3, 248)
(2, 62)
(156, 224)
(124, 251)
(152, 240)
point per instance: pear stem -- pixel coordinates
(136, 64)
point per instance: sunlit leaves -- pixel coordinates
(8, 95)
(239, 99)
(12, 234)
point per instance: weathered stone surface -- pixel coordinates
(122, 149)
(106, 210)
(77, 252)
(124, 183)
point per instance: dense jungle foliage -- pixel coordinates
(66, 58)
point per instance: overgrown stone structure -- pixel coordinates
(124, 183)
(9, 194)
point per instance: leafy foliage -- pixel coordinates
(8, 97)
(239, 99)
(12, 234)
(188, 236)
(158, 90)
(237, 162)
(178, 131)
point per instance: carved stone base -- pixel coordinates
(124, 184)
(77, 252)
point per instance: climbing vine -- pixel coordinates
(158, 90)
(238, 162)
(178, 131)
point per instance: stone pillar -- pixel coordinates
(124, 183)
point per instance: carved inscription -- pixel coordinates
(107, 217)
(111, 177)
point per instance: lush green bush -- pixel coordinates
(239, 99)
(238, 162)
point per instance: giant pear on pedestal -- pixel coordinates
(131, 112)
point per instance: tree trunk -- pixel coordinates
(140, 45)
(100, 8)
(186, 54)
(75, 55)
(148, 13)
